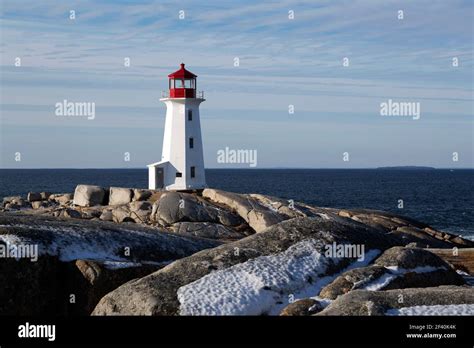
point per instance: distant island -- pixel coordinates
(407, 168)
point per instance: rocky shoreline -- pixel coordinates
(123, 251)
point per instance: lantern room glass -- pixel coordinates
(183, 83)
(189, 83)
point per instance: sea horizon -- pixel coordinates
(263, 168)
(439, 197)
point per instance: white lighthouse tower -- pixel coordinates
(182, 161)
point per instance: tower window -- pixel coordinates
(191, 143)
(190, 115)
(193, 172)
(179, 175)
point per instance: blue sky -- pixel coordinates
(282, 62)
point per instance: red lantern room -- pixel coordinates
(182, 84)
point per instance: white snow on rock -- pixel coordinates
(256, 286)
(395, 272)
(10, 239)
(70, 247)
(127, 264)
(91, 243)
(310, 290)
(458, 309)
(119, 264)
(379, 283)
(419, 269)
(324, 216)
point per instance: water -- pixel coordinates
(441, 198)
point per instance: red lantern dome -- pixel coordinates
(182, 83)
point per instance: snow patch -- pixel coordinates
(69, 247)
(379, 283)
(420, 269)
(310, 290)
(453, 309)
(255, 286)
(324, 216)
(394, 272)
(263, 285)
(90, 243)
(119, 265)
(10, 239)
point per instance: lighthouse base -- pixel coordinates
(164, 176)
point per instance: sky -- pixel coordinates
(289, 52)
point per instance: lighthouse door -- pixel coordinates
(159, 178)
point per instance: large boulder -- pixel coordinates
(364, 302)
(107, 215)
(94, 279)
(62, 198)
(13, 199)
(141, 194)
(454, 240)
(410, 230)
(70, 214)
(396, 268)
(90, 212)
(288, 208)
(51, 282)
(419, 237)
(250, 275)
(173, 207)
(351, 280)
(461, 259)
(409, 258)
(140, 211)
(122, 214)
(97, 240)
(40, 204)
(415, 267)
(45, 195)
(30, 287)
(49, 286)
(15, 203)
(11, 206)
(120, 196)
(140, 205)
(303, 307)
(257, 215)
(34, 196)
(88, 195)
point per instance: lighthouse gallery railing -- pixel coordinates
(166, 94)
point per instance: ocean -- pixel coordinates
(442, 198)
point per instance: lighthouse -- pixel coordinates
(182, 161)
